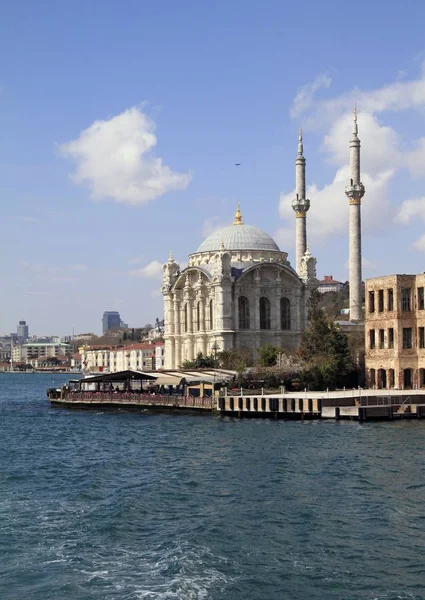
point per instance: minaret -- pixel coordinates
(300, 204)
(355, 192)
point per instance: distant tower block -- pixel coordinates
(300, 204)
(355, 192)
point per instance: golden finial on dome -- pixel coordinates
(238, 216)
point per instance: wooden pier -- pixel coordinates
(130, 401)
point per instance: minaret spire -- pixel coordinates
(355, 192)
(300, 143)
(300, 204)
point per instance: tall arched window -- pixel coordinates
(264, 313)
(185, 317)
(285, 313)
(198, 317)
(243, 306)
(211, 315)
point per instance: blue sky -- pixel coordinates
(121, 123)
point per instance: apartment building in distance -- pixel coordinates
(395, 331)
(146, 356)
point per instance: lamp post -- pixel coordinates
(215, 348)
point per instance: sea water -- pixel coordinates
(105, 505)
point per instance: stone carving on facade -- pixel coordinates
(308, 267)
(170, 272)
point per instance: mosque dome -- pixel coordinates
(239, 237)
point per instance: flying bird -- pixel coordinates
(237, 164)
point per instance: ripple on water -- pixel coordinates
(110, 505)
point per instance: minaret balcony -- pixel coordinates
(355, 192)
(300, 205)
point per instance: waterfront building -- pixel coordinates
(329, 284)
(33, 351)
(139, 357)
(159, 356)
(22, 331)
(238, 291)
(395, 331)
(111, 320)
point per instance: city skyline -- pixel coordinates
(123, 145)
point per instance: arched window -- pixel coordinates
(264, 313)
(285, 313)
(185, 317)
(198, 317)
(211, 315)
(243, 306)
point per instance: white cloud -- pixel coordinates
(211, 224)
(153, 269)
(305, 94)
(384, 154)
(79, 268)
(328, 214)
(114, 159)
(419, 244)
(410, 209)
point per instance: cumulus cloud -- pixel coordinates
(385, 153)
(332, 218)
(114, 159)
(419, 244)
(411, 209)
(153, 269)
(211, 224)
(305, 95)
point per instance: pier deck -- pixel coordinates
(132, 401)
(357, 404)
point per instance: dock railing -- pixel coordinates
(205, 402)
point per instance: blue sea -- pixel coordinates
(115, 505)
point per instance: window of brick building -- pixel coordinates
(421, 299)
(371, 301)
(407, 338)
(371, 339)
(406, 304)
(391, 337)
(421, 337)
(390, 299)
(380, 300)
(382, 338)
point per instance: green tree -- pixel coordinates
(235, 360)
(267, 355)
(325, 349)
(200, 362)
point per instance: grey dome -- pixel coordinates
(239, 237)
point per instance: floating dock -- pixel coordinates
(358, 404)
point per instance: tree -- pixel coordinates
(200, 362)
(268, 355)
(235, 360)
(325, 349)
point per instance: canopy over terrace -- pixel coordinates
(158, 378)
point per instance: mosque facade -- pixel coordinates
(239, 290)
